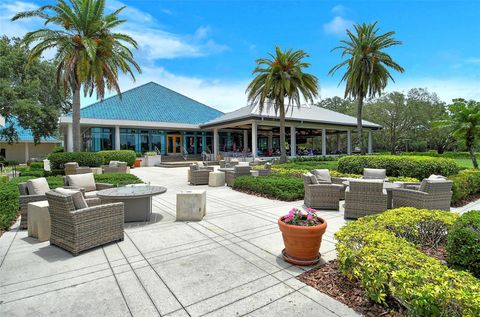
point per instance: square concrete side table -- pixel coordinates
(38, 220)
(216, 179)
(191, 205)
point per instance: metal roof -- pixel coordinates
(24, 135)
(151, 102)
(304, 113)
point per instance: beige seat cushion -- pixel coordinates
(374, 173)
(78, 200)
(38, 186)
(436, 177)
(113, 163)
(310, 178)
(92, 194)
(322, 175)
(85, 181)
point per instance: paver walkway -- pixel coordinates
(226, 265)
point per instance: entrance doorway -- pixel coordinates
(174, 144)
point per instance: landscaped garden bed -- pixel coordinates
(385, 265)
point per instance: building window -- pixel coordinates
(101, 139)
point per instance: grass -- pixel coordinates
(465, 163)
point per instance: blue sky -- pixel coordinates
(207, 49)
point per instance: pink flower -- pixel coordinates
(311, 210)
(309, 217)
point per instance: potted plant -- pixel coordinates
(302, 235)
(152, 159)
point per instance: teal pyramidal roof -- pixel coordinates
(151, 102)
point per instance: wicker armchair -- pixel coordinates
(226, 164)
(431, 194)
(72, 168)
(115, 167)
(364, 198)
(239, 170)
(199, 175)
(88, 192)
(83, 229)
(321, 196)
(257, 162)
(265, 171)
(323, 177)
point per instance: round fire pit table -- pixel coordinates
(137, 200)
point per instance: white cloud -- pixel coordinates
(339, 9)
(337, 26)
(473, 61)
(20, 27)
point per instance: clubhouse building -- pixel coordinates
(151, 118)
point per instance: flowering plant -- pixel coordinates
(298, 218)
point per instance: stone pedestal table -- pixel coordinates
(38, 220)
(216, 179)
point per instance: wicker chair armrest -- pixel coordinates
(75, 188)
(25, 199)
(98, 211)
(206, 168)
(101, 186)
(409, 192)
(413, 186)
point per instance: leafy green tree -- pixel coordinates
(27, 93)
(367, 65)
(281, 79)
(88, 52)
(465, 123)
(338, 104)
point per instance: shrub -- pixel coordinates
(36, 165)
(311, 159)
(272, 186)
(463, 246)
(296, 169)
(380, 251)
(118, 179)
(118, 155)
(58, 149)
(465, 184)
(91, 159)
(33, 172)
(410, 166)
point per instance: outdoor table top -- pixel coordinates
(131, 191)
(386, 185)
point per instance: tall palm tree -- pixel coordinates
(281, 78)
(367, 64)
(464, 121)
(88, 53)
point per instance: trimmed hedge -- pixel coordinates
(465, 184)
(463, 246)
(433, 153)
(90, 159)
(9, 192)
(273, 186)
(118, 155)
(381, 252)
(311, 159)
(410, 166)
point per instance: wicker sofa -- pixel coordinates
(430, 194)
(365, 197)
(239, 170)
(115, 167)
(76, 230)
(198, 175)
(321, 195)
(86, 183)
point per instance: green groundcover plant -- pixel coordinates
(273, 186)
(382, 253)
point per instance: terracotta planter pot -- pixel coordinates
(138, 163)
(302, 244)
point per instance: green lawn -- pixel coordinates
(464, 162)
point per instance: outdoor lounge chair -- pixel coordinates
(226, 164)
(431, 194)
(72, 168)
(323, 177)
(198, 175)
(257, 162)
(31, 191)
(115, 167)
(239, 170)
(321, 195)
(86, 183)
(365, 197)
(264, 171)
(76, 230)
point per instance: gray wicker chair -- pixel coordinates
(431, 194)
(239, 170)
(363, 197)
(326, 178)
(266, 170)
(226, 164)
(257, 162)
(115, 167)
(321, 196)
(73, 168)
(199, 175)
(83, 229)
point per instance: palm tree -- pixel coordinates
(367, 74)
(88, 53)
(281, 78)
(464, 121)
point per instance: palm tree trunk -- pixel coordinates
(359, 124)
(471, 149)
(76, 120)
(283, 152)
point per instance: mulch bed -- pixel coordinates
(467, 200)
(329, 280)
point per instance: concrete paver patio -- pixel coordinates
(228, 264)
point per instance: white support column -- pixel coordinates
(254, 140)
(324, 142)
(370, 142)
(117, 137)
(293, 141)
(349, 142)
(245, 140)
(69, 138)
(215, 143)
(270, 140)
(27, 152)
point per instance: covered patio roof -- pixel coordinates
(304, 114)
